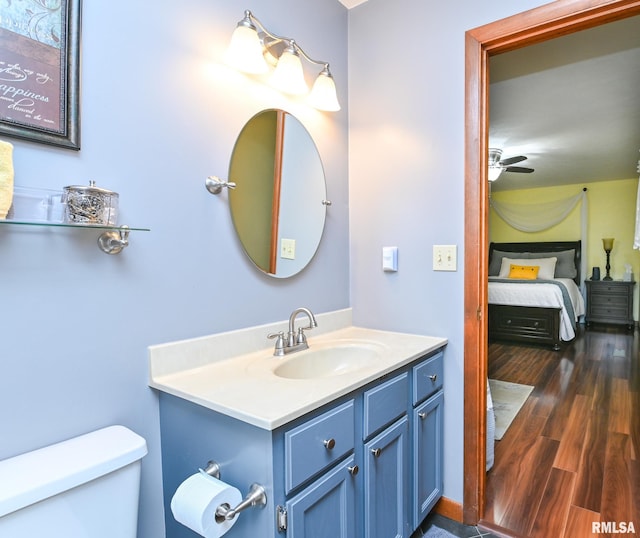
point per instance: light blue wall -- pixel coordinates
(159, 114)
(406, 176)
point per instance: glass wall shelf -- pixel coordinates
(111, 241)
(70, 225)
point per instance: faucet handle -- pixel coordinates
(279, 336)
(302, 338)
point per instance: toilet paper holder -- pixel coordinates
(257, 496)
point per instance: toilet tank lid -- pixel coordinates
(37, 475)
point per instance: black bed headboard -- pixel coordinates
(543, 246)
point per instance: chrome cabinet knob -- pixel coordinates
(433, 377)
(329, 443)
(376, 452)
(422, 415)
(353, 471)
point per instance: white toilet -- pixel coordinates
(86, 487)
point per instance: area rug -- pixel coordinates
(437, 532)
(508, 399)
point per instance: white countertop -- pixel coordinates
(245, 387)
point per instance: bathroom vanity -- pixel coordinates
(343, 448)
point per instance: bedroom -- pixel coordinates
(611, 181)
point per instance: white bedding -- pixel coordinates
(547, 295)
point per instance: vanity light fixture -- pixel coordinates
(253, 49)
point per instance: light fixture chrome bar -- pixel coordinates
(253, 46)
(278, 38)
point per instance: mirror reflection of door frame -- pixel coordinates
(539, 24)
(277, 187)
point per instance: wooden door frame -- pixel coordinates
(546, 22)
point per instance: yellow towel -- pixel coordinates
(6, 178)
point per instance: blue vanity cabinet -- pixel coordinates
(386, 458)
(327, 507)
(386, 482)
(368, 464)
(428, 445)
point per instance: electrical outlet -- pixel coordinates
(445, 257)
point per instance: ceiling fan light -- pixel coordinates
(494, 156)
(494, 172)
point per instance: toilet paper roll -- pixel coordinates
(195, 501)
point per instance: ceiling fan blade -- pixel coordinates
(519, 169)
(513, 160)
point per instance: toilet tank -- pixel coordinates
(85, 487)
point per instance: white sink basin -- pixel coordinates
(329, 360)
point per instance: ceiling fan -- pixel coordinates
(497, 165)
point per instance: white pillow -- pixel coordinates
(547, 266)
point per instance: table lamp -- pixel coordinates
(607, 243)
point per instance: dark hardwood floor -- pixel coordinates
(572, 455)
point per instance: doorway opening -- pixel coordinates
(534, 26)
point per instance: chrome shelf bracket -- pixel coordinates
(112, 242)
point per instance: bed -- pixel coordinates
(541, 309)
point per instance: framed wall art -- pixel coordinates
(40, 71)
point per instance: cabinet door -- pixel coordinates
(386, 483)
(427, 456)
(327, 507)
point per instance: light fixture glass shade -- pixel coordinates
(323, 94)
(288, 76)
(607, 244)
(494, 172)
(245, 50)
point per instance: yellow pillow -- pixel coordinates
(526, 272)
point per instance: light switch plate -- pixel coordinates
(445, 257)
(390, 259)
(288, 249)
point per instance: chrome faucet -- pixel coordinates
(296, 340)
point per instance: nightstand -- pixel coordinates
(610, 301)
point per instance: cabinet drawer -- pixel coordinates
(314, 445)
(385, 403)
(427, 377)
(604, 312)
(610, 289)
(618, 301)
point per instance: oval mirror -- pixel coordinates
(278, 206)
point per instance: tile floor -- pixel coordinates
(455, 528)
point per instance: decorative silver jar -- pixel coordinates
(90, 205)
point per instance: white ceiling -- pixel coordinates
(571, 105)
(352, 3)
